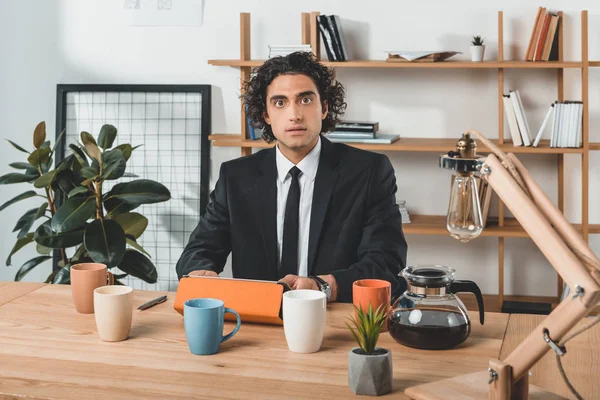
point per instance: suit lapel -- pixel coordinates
(266, 195)
(325, 182)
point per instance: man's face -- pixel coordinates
(294, 112)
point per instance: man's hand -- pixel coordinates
(299, 282)
(203, 272)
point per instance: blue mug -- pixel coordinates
(203, 321)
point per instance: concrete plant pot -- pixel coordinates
(477, 53)
(370, 375)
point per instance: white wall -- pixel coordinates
(46, 42)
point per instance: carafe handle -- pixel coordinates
(469, 287)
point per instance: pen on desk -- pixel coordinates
(152, 303)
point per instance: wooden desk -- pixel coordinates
(48, 350)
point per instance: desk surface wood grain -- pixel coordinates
(48, 350)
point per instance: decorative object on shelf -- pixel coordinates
(333, 37)
(566, 251)
(277, 50)
(477, 49)
(428, 315)
(100, 226)
(419, 56)
(369, 367)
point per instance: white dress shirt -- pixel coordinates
(308, 166)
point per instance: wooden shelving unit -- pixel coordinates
(500, 227)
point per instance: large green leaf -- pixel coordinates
(29, 265)
(42, 250)
(140, 191)
(126, 149)
(74, 213)
(22, 196)
(25, 223)
(39, 135)
(104, 241)
(39, 156)
(63, 275)
(138, 265)
(133, 224)
(78, 190)
(16, 146)
(116, 207)
(113, 164)
(107, 136)
(89, 172)
(66, 181)
(79, 155)
(46, 179)
(45, 236)
(15, 177)
(136, 246)
(18, 246)
(90, 145)
(29, 170)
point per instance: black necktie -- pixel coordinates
(289, 254)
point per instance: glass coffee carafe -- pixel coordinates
(429, 315)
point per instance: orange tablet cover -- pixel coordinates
(255, 301)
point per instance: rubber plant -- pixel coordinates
(77, 218)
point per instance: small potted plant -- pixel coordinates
(477, 49)
(369, 367)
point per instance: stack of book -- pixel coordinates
(516, 119)
(403, 211)
(543, 43)
(285, 49)
(360, 132)
(330, 27)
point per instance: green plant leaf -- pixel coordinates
(130, 175)
(45, 180)
(89, 172)
(126, 149)
(18, 246)
(90, 145)
(78, 190)
(45, 236)
(39, 135)
(58, 139)
(107, 136)
(104, 241)
(133, 224)
(79, 155)
(41, 210)
(66, 181)
(74, 213)
(16, 146)
(140, 191)
(15, 177)
(138, 265)
(43, 250)
(113, 164)
(116, 207)
(25, 223)
(22, 196)
(29, 265)
(39, 156)
(29, 170)
(137, 246)
(63, 275)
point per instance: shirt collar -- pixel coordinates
(308, 165)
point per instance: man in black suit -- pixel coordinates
(308, 212)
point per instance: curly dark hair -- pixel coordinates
(300, 62)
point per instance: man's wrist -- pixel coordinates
(330, 279)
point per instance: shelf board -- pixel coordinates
(594, 146)
(442, 64)
(436, 225)
(404, 144)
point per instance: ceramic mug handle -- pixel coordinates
(110, 278)
(237, 326)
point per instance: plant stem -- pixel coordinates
(98, 192)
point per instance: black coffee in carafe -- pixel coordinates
(428, 329)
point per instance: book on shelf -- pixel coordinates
(358, 126)
(521, 118)
(386, 138)
(330, 27)
(511, 119)
(351, 134)
(403, 211)
(567, 124)
(543, 42)
(285, 49)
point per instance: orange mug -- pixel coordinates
(85, 278)
(374, 292)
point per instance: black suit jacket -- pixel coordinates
(355, 225)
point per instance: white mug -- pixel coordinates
(113, 307)
(304, 316)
